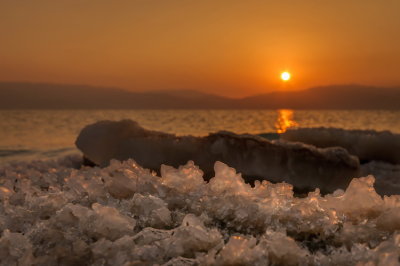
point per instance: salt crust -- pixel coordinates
(54, 214)
(368, 145)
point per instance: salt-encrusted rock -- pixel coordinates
(368, 145)
(303, 166)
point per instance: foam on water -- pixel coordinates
(53, 213)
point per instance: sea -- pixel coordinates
(41, 134)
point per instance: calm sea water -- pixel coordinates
(45, 134)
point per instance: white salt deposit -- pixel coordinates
(53, 214)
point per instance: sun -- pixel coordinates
(285, 76)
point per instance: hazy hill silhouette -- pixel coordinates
(59, 96)
(329, 97)
(18, 95)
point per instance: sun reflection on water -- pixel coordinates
(285, 120)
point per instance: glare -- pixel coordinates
(285, 76)
(285, 120)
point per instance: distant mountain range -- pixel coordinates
(14, 95)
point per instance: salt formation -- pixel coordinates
(54, 214)
(387, 176)
(368, 145)
(303, 166)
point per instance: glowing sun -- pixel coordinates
(285, 76)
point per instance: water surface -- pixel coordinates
(38, 134)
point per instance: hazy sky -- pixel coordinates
(228, 47)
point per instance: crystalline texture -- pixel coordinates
(74, 218)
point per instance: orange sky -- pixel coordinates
(233, 48)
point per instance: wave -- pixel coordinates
(26, 155)
(15, 152)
